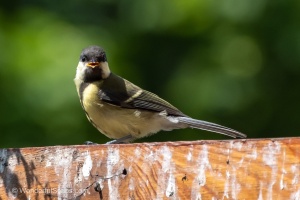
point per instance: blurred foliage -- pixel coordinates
(234, 62)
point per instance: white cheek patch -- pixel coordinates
(80, 71)
(105, 69)
(81, 68)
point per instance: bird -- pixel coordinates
(122, 110)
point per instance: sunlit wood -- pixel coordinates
(231, 169)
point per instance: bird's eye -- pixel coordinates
(83, 59)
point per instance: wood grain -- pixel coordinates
(231, 169)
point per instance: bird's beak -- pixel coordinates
(93, 64)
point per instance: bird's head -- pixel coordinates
(92, 65)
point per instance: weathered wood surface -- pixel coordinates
(232, 169)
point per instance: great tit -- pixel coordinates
(123, 111)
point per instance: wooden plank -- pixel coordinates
(231, 169)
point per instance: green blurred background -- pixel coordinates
(233, 62)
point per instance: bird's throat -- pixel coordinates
(92, 75)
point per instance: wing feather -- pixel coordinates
(120, 92)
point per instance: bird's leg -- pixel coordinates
(89, 143)
(122, 140)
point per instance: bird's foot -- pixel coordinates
(89, 143)
(123, 140)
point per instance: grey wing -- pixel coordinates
(149, 101)
(123, 93)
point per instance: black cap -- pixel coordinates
(93, 54)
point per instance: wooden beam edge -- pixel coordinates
(206, 169)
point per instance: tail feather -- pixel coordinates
(208, 126)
